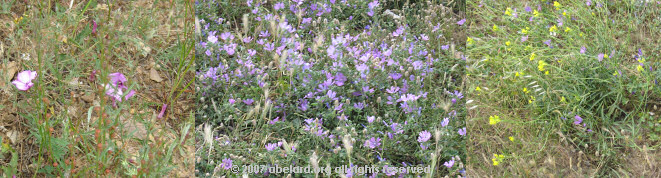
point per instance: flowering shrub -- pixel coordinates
(339, 83)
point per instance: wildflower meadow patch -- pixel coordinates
(566, 88)
(339, 83)
(84, 87)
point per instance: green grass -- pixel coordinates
(616, 101)
(66, 124)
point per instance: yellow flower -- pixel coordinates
(478, 89)
(641, 60)
(493, 120)
(469, 41)
(525, 30)
(532, 98)
(546, 73)
(553, 29)
(615, 73)
(567, 29)
(517, 74)
(497, 159)
(541, 65)
(557, 5)
(535, 13)
(639, 68)
(580, 34)
(511, 139)
(508, 11)
(532, 56)
(508, 43)
(563, 99)
(525, 90)
(606, 56)
(495, 27)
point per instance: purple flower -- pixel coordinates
(392, 89)
(445, 122)
(24, 80)
(230, 49)
(395, 76)
(279, 6)
(449, 164)
(271, 146)
(588, 3)
(227, 164)
(212, 37)
(528, 9)
(248, 101)
(583, 50)
(370, 13)
(373, 142)
(461, 22)
(247, 39)
(226, 35)
(116, 86)
(462, 131)
(340, 79)
(370, 119)
(359, 105)
(445, 47)
(524, 38)
(548, 43)
(331, 94)
(361, 68)
(578, 120)
(269, 47)
(424, 136)
(600, 57)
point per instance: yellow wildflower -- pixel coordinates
(497, 159)
(553, 29)
(495, 27)
(493, 120)
(535, 13)
(557, 5)
(525, 90)
(567, 29)
(541, 65)
(532, 56)
(511, 139)
(508, 11)
(469, 41)
(508, 43)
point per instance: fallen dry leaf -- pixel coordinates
(13, 135)
(153, 74)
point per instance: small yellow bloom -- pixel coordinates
(546, 73)
(553, 29)
(557, 5)
(508, 43)
(493, 120)
(532, 98)
(495, 27)
(563, 99)
(639, 68)
(469, 41)
(525, 30)
(567, 29)
(525, 90)
(478, 89)
(511, 139)
(615, 73)
(497, 159)
(532, 56)
(535, 13)
(508, 11)
(541, 65)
